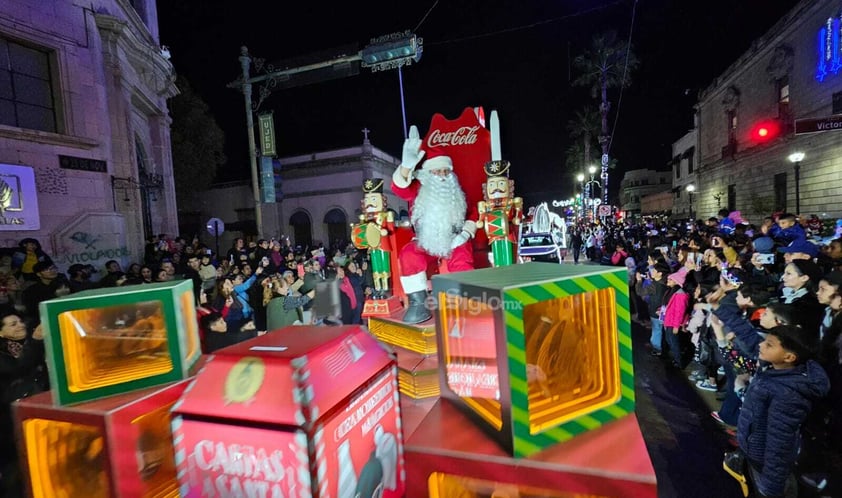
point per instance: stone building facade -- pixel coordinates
(637, 184)
(321, 195)
(85, 152)
(746, 121)
(659, 204)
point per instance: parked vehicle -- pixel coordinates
(539, 247)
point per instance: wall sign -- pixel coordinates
(82, 164)
(18, 198)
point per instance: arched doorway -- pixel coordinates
(302, 228)
(337, 228)
(146, 194)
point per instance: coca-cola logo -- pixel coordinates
(466, 135)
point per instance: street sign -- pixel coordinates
(215, 226)
(815, 125)
(604, 210)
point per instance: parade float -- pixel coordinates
(534, 365)
(118, 360)
(302, 411)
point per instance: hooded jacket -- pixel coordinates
(776, 404)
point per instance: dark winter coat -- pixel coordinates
(785, 236)
(748, 337)
(655, 291)
(776, 405)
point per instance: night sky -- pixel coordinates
(511, 56)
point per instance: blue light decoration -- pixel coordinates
(830, 59)
(835, 64)
(821, 70)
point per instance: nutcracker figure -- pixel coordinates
(372, 233)
(498, 211)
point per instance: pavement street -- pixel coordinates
(685, 444)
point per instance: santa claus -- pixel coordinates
(438, 214)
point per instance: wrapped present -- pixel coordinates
(109, 341)
(536, 353)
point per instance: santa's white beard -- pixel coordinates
(438, 212)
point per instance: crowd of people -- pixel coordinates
(753, 314)
(750, 312)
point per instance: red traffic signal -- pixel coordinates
(765, 131)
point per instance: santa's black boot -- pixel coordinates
(417, 311)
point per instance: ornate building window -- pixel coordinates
(782, 86)
(27, 89)
(732, 197)
(731, 116)
(780, 192)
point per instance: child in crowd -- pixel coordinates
(676, 312)
(786, 230)
(776, 404)
(655, 292)
(699, 328)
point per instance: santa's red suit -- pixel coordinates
(443, 221)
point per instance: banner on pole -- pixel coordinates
(267, 180)
(266, 125)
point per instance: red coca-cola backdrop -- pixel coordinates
(468, 144)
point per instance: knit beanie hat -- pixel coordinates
(679, 276)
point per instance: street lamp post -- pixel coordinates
(796, 158)
(245, 64)
(590, 190)
(690, 190)
(391, 51)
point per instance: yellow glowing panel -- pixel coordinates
(191, 324)
(572, 357)
(155, 460)
(65, 460)
(471, 354)
(442, 485)
(112, 345)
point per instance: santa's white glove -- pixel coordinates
(412, 153)
(460, 239)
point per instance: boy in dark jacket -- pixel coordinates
(787, 230)
(776, 405)
(655, 290)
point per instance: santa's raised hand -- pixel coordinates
(412, 153)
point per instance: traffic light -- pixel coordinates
(765, 131)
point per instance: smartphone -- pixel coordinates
(765, 259)
(674, 244)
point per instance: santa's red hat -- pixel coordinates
(436, 159)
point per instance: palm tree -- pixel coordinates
(583, 128)
(608, 63)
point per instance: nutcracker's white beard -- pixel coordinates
(438, 212)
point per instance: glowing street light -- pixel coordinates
(796, 158)
(690, 190)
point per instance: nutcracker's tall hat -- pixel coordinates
(497, 168)
(373, 185)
